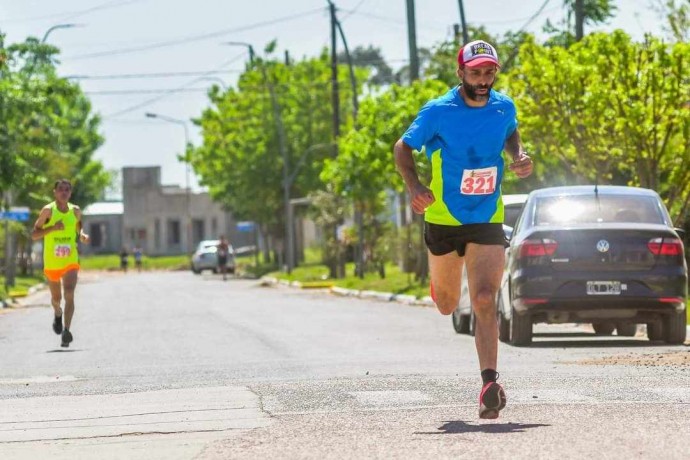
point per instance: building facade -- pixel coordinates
(161, 219)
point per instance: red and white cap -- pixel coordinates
(477, 53)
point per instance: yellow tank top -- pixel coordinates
(60, 247)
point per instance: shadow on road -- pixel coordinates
(458, 426)
(63, 350)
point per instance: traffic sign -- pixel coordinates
(245, 226)
(19, 214)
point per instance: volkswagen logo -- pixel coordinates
(603, 246)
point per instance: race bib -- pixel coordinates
(479, 181)
(63, 250)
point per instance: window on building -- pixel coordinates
(99, 235)
(174, 237)
(198, 232)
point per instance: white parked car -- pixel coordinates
(206, 258)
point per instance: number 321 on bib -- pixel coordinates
(479, 181)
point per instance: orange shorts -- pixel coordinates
(57, 274)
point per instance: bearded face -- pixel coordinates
(478, 81)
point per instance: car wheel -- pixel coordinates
(603, 328)
(196, 271)
(655, 331)
(626, 329)
(520, 329)
(675, 328)
(503, 323)
(461, 323)
(473, 323)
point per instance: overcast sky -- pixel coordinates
(183, 41)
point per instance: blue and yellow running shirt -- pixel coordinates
(465, 146)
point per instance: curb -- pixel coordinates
(344, 292)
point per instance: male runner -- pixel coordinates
(465, 132)
(59, 224)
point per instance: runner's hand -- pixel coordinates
(421, 198)
(84, 238)
(59, 225)
(523, 166)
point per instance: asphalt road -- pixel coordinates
(172, 365)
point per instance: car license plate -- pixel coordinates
(603, 287)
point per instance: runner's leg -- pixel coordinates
(56, 296)
(484, 272)
(69, 281)
(446, 274)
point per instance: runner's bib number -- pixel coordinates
(62, 250)
(479, 181)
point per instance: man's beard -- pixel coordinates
(471, 91)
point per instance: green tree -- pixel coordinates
(240, 158)
(364, 168)
(611, 110)
(676, 13)
(595, 12)
(47, 129)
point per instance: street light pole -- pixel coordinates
(55, 27)
(187, 173)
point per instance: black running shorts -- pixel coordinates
(444, 239)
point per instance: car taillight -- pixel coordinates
(538, 248)
(665, 246)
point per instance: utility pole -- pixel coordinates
(412, 41)
(335, 97)
(579, 19)
(337, 271)
(465, 33)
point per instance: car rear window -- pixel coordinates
(590, 209)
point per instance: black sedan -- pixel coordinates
(604, 255)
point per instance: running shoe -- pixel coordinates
(57, 325)
(492, 400)
(66, 338)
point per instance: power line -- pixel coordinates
(73, 14)
(190, 39)
(172, 91)
(153, 75)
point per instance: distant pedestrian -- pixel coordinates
(138, 254)
(59, 224)
(223, 252)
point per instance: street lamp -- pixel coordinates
(58, 26)
(249, 47)
(187, 171)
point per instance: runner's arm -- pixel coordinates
(404, 163)
(513, 145)
(38, 231)
(83, 237)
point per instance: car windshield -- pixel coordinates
(590, 209)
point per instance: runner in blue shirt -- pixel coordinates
(464, 134)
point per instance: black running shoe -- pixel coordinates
(492, 400)
(57, 325)
(66, 338)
